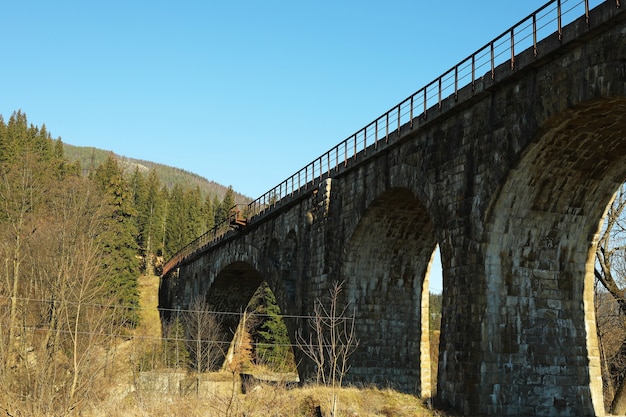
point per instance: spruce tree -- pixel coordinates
(176, 231)
(273, 346)
(120, 247)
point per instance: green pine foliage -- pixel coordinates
(273, 346)
(148, 219)
(120, 247)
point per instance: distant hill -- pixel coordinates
(90, 158)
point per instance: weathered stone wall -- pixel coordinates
(511, 179)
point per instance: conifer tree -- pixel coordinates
(176, 230)
(120, 247)
(273, 346)
(222, 209)
(208, 214)
(193, 203)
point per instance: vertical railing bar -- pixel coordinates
(493, 66)
(512, 48)
(399, 110)
(328, 162)
(365, 141)
(387, 128)
(337, 157)
(355, 152)
(473, 71)
(558, 9)
(376, 134)
(587, 12)
(439, 93)
(425, 102)
(456, 82)
(411, 115)
(321, 167)
(345, 153)
(535, 34)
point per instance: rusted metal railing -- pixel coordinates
(545, 21)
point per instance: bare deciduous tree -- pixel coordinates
(331, 341)
(204, 333)
(66, 310)
(610, 273)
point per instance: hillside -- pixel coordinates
(90, 158)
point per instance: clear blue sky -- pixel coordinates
(244, 93)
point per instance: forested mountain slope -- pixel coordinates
(90, 158)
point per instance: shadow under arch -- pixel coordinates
(386, 269)
(231, 293)
(538, 327)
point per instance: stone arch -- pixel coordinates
(538, 327)
(386, 267)
(233, 288)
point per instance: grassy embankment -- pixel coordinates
(128, 398)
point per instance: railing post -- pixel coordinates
(456, 82)
(376, 134)
(535, 34)
(558, 10)
(425, 103)
(399, 110)
(365, 141)
(387, 129)
(328, 162)
(411, 115)
(321, 167)
(439, 101)
(493, 65)
(473, 72)
(512, 48)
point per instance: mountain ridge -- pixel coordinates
(91, 157)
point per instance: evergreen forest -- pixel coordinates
(73, 244)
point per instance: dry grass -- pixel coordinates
(269, 401)
(221, 396)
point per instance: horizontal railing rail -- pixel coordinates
(527, 33)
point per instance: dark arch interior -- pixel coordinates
(232, 290)
(231, 294)
(386, 268)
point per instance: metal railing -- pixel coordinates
(545, 21)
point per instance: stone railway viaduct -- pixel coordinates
(511, 176)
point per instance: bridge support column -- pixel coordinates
(518, 326)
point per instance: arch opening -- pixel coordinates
(538, 327)
(251, 319)
(386, 271)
